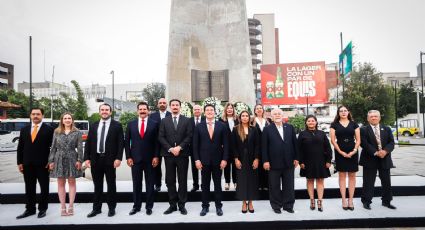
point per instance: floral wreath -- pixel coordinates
(186, 109)
(216, 103)
(240, 106)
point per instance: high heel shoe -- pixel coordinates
(246, 207)
(226, 186)
(344, 207)
(71, 211)
(351, 205)
(312, 204)
(63, 212)
(319, 206)
(251, 210)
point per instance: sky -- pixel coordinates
(86, 39)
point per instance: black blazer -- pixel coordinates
(370, 146)
(193, 131)
(253, 143)
(142, 150)
(36, 153)
(169, 137)
(157, 117)
(281, 154)
(114, 143)
(211, 152)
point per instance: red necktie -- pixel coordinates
(142, 129)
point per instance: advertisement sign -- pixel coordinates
(291, 84)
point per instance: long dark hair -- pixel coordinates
(240, 129)
(337, 117)
(308, 117)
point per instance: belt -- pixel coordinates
(346, 140)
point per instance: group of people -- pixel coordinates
(258, 153)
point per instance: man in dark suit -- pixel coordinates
(280, 154)
(103, 154)
(142, 151)
(211, 152)
(197, 119)
(32, 155)
(377, 143)
(175, 136)
(158, 116)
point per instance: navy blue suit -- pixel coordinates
(211, 152)
(158, 170)
(142, 151)
(281, 155)
(195, 172)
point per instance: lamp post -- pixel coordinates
(307, 102)
(113, 108)
(422, 85)
(395, 82)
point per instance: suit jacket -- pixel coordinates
(211, 151)
(280, 153)
(193, 131)
(142, 150)
(169, 137)
(253, 143)
(114, 143)
(157, 117)
(370, 147)
(36, 153)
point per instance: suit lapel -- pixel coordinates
(277, 132)
(372, 134)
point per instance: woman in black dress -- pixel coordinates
(345, 137)
(260, 122)
(245, 148)
(315, 159)
(229, 118)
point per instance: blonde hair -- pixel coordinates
(224, 115)
(61, 126)
(240, 129)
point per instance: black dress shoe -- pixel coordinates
(134, 211)
(390, 206)
(157, 188)
(41, 214)
(148, 211)
(93, 213)
(195, 188)
(204, 211)
(183, 210)
(366, 206)
(277, 211)
(290, 210)
(170, 210)
(25, 214)
(219, 211)
(111, 212)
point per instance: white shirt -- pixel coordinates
(139, 125)
(231, 123)
(260, 124)
(162, 114)
(197, 119)
(377, 127)
(176, 116)
(212, 124)
(280, 129)
(99, 132)
(38, 126)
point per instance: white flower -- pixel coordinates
(186, 109)
(240, 106)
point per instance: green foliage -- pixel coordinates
(80, 111)
(366, 91)
(152, 93)
(407, 100)
(297, 122)
(127, 117)
(94, 117)
(17, 98)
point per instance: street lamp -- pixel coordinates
(422, 85)
(307, 102)
(113, 108)
(395, 82)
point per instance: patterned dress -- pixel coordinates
(66, 150)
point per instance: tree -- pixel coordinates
(297, 122)
(407, 100)
(80, 111)
(366, 91)
(94, 117)
(127, 117)
(17, 98)
(152, 93)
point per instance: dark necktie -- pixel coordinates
(197, 121)
(102, 139)
(175, 122)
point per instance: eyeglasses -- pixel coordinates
(343, 111)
